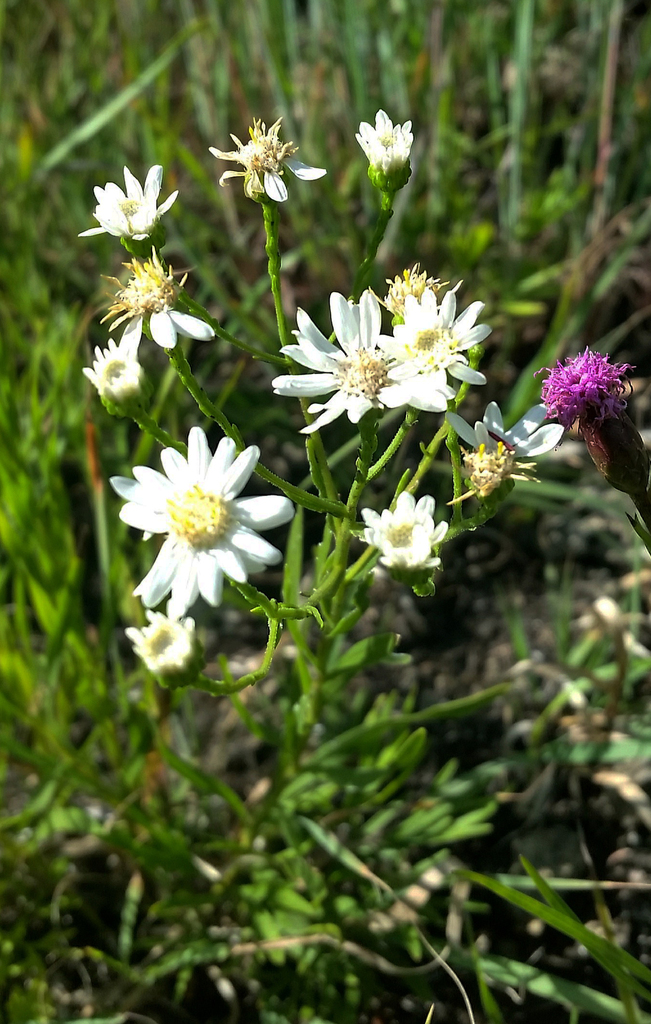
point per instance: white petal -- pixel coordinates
(158, 580)
(127, 488)
(210, 578)
(275, 187)
(264, 513)
(240, 472)
(162, 329)
(493, 418)
(231, 563)
(153, 181)
(448, 308)
(176, 467)
(466, 319)
(305, 386)
(356, 406)
(250, 543)
(307, 355)
(185, 587)
(92, 231)
(474, 336)
(345, 322)
(220, 463)
(309, 330)
(527, 424)
(370, 319)
(463, 372)
(304, 171)
(425, 506)
(142, 518)
(190, 326)
(164, 207)
(131, 335)
(133, 186)
(463, 429)
(405, 503)
(543, 440)
(157, 489)
(199, 454)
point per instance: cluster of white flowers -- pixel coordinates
(372, 370)
(211, 533)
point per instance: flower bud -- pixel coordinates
(618, 452)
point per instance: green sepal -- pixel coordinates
(391, 181)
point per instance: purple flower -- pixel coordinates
(587, 387)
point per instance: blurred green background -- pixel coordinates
(531, 182)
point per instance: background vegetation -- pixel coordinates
(146, 872)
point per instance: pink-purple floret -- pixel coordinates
(588, 385)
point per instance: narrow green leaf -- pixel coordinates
(203, 782)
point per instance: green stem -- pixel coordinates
(364, 272)
(316, 455)
(209, 409)
(392, 447)
(222, 687)
(197, 310)
(429, 455)
(149, 426)
(452, 444)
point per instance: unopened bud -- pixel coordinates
(618, 452)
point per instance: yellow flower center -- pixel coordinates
(411, 283)
(487, 469)
(129, 207)
(363, 374)
(158, 643)
(150, 290)
(199, 518)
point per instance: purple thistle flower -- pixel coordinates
(587, 387)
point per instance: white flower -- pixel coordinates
(429, 346)
(357, 372)
(265, 158)
(386, 147)
(210, 531)
(153, 292)
(167, 646)
(527, 437)
(406, 536)
(134, 214)
(116, 372)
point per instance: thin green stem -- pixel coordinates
(198, 310)
(316, 455)
(149, 426)
(452, 444)
(363, 274)
(429, 455)
(393, 446)
(366, 560)
(209, 409)
(222, 687)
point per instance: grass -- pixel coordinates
(532, 171)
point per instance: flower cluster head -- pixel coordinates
(116, 372)
(494, 449)
(264, 159)
(210, 532)
(406, 536)
(130, 214)
(387, 149)
(168, 646)
(412, 282)
(585, 387)
(152, 292)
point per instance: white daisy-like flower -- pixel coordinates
(387, 147)
(265, 158)
(428, 346)
(527, 437)
(211, 532)
(152, 292)
(357, 372)
(406, 536)
(116, 372)
(167, 645)
(130, 214)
